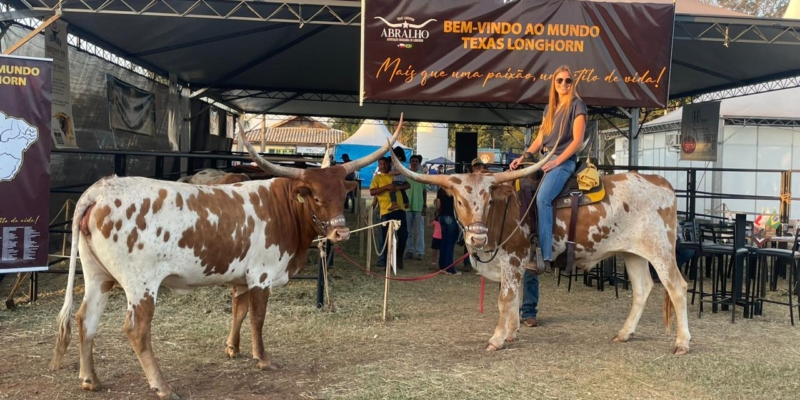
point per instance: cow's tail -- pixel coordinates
(62, 342)
(668, 311)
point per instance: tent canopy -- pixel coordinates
(273, 56)
(368, 138)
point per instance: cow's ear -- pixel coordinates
(301, 192)
(350, 185)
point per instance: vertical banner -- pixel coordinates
(700, 131)
(57, 48)
(130, 109)
(507, 51)
(25, 117)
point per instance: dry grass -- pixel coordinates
(432, 347)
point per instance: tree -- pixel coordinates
(758, 8)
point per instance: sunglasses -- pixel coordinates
(567, 80)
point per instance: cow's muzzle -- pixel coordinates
(336, 229)
(476, 234)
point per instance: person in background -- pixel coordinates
(436, 242)
(380, 187)
(398, 179)
(351, 195)
(478, 165)
(418, 201)
(447, 219)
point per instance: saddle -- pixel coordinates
(584, 187)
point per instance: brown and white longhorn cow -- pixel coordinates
(211, 176)
(637, 218)
(142, 233)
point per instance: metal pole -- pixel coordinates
(321, 284)
(786, 195)
(633, 138)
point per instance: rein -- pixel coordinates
(499, 244)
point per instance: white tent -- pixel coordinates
(758, 132)
(369, 137)
(780, 104)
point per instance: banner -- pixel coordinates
(57, 48)
(130, 108)
(700, 131)
(507, 51)
(25, 116)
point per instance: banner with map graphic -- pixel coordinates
(25, 110)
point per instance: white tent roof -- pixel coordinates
(779, 104)
(372, 133)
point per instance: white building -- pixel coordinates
(760, 131)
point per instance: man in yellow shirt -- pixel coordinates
(380, 187)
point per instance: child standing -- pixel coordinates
(398, 179)
(435, 242)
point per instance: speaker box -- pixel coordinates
(466, 150)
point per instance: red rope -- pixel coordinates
(483, 289)
(412, 279)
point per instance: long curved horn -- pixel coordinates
(506, 176)
(362, 162)
(275, 170)
(438, 180)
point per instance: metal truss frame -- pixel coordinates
(232, 95)
(748, 90)
(762, 122)
(746, 31)
(302, 12)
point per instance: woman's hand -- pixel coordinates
(550, 165)
(514, 164)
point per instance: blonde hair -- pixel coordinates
(552, 103)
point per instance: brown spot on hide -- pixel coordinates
(166, 236)
(468, 189)
(179, 201)
(237, 185)
(132, 238)
(115, 237)
(141, 223)
(118, 203)
(129, 212)
(514, 262)
(626, 207)
(455, 180)
(103, 225)
(137, 323)
(106, 286)
(216, 245)
(498, 233)
(263, 278)
(118, 225)
(140, 246)
(162, 195)
(158, 232)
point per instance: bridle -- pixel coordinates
(479, 228)
(325, 225)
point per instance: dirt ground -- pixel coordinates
(432, 346)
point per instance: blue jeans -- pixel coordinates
(448, 245)
(530, 294)
(416, 226)
(552, 184)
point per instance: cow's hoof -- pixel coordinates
(622, 338)
(680, 350)
(491, 347)
(231, 351)
(511, 339)
(169, 395)
(268, 366)
(90, 384)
